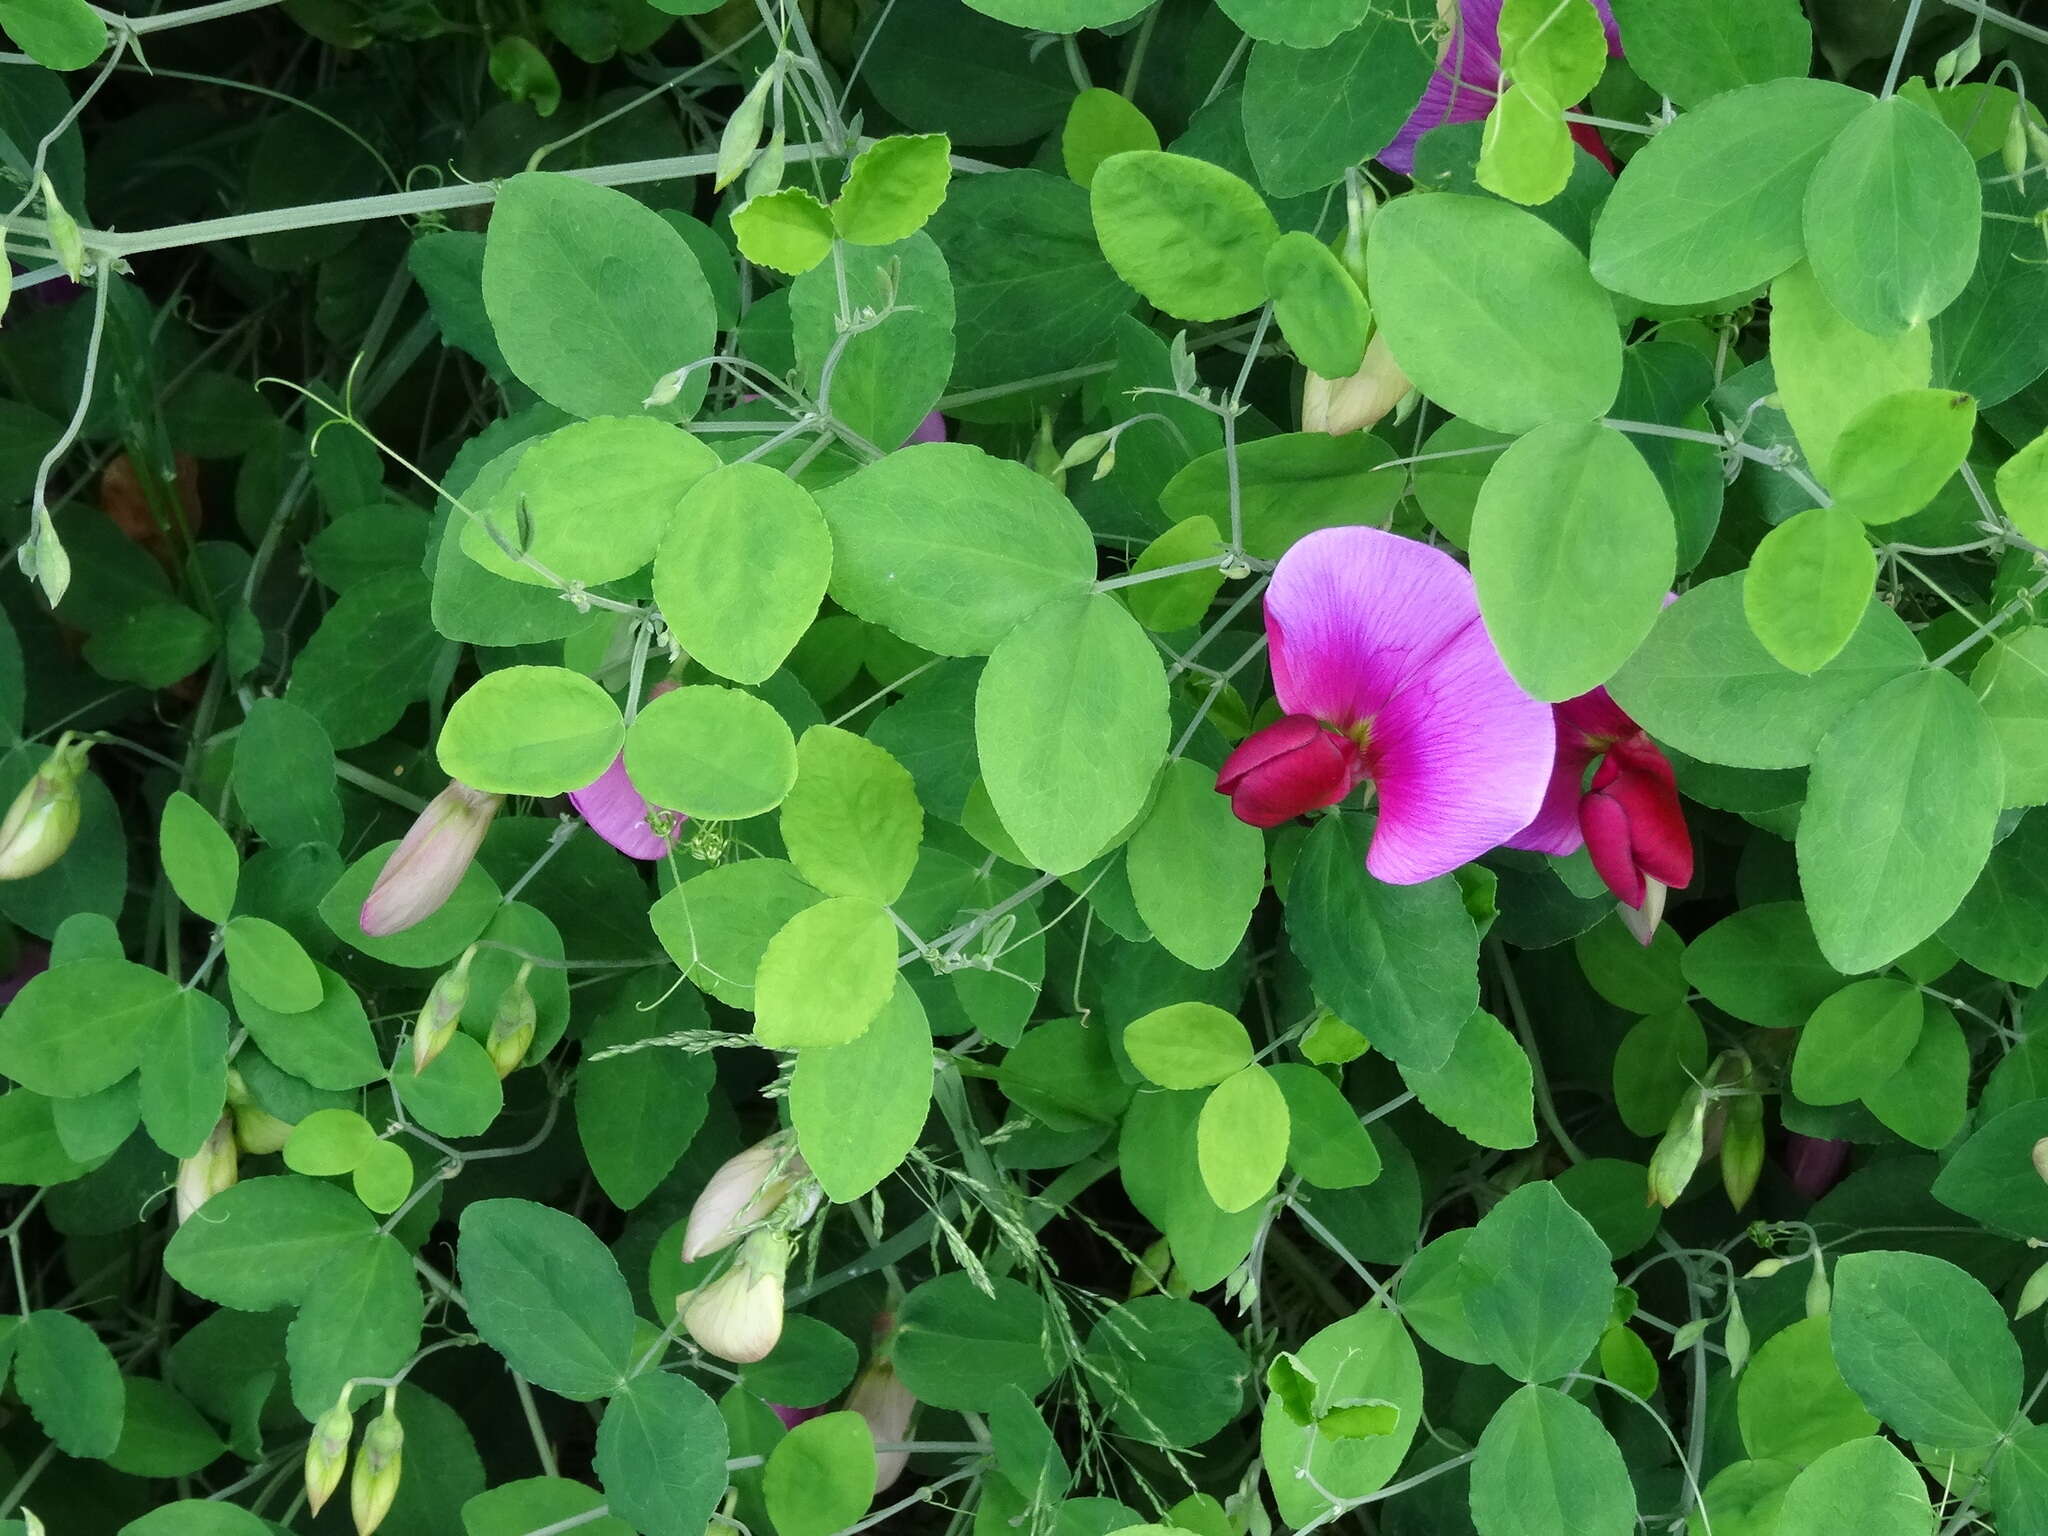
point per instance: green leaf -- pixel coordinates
(1900, 450)
(548, 1296)
(1099, 124)
(1991, 1177)
(1829, 370)
(1365, 1356)
(1545, 1463)
(1060, 15)
(530, 731)
(717, 925)
(1485, 1090)
(1317, 304)
(2023, 488)
(1863, 1485)
(1517, 340)
(1526, 156)
(1187, 1045)
(1703, 683)
(383, 1178)
(895, 185)
(1926, 1348)
(1642, 978)
(1656, 1065)
(1900, 809)
(1560, 48)
(787, 230)
(1791, 1401)
(197, 1517)
(960, 1347)
(1166, 1370)
(258, 1244)
(1071, 724)
(199, 857)
(1541, 1286)
(1063, 1072)
(1161, 1173)
(1573, 551)
(1690, 50)
(184, 1074)
(1168, 603)
(2011, 682)
(851, 823)
(70, 1382)
(742, 570)
(57, 34)
(361, 1318)
(1711, 205)
(825, 975)
(513, 1509)
(31, 1151)
(950, 549)
(880, 379)
(162, 1435)
(459, 1094)
(711, 752)
(1762, 965)
(1188, 235)
(1287, 486)
(78, 1028)
(1328, 85)
(1927, 1100)
(1196, 871)
(271, 966)
(1326, 1144)
(1856, 1039)
(588, 503)
(1891, 217)
(284, 776)
(1241, 1138)
(329, 1142)
(594, 297)
(859, 1108)
(1808, 585)
(821, 1475)
(661, 1450)
(370, 658)
(1027, 1456)
(329, 1045)
(1398, 963)
(636, 1114)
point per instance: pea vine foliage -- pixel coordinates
(1070, 766)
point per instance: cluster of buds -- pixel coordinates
(429, 863)
(880, 1398)
(441, 1014)
(513, 1024)
(43, 820)
(213, 1168)
(379, 1461)
(756, 1199)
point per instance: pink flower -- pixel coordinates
(1629, 818)
(791, 1417)
(618, 814)
(1386, 673)
(931, 430)
(425, 868)
(1467, 80)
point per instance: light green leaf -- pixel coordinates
(1546, 1464)
(1492, 312)
(742, 570)
(1196, 871)
(1188, 235)
(1829, 370)
(1526, 154)
(1808, 585)
(459, 1094)
(885, 376)
(851, 822)
(270, 965)
(710, 752)
(548, 1296)
(1317, 305)
(787, 230)
(1485, 1090)
(825, 975)
(1573, 551)
(1927, 1100)
(531, 731)
(1900, 808)
(821, 1475)
(57, 34)
(199, 857)
(594, 297)
(1891, 217)
(2011, 682)
(1167, 603)
(1099, 124)
(1241, 1138)
(1900, 450)
(1071, 724)
(1863, 1485)
(895, 185)
(717, 925)
(2023, 488)
(513, 1509)
(858, 1108)
(1559, 46)
(1792, 1403)
(1856, 1039)
(329, 1142)
(1188, 1045)
(1926, 1348)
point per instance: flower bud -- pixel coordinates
(441, 1015)
(1289, 768)
(738, 1316)
(327, 1453)
(512, 1026)
(1735, 1337)
(880, 1397)
(379, 1462)
(1678, 1155)
(2040, 1158)
(1338, 406)
(1742, 1148)
(1765, 1268)
(1819, 1295)
(2014, 150)
(44, 817)
(425, 868)
(65, 239)
(747, 1189)
(1044, 459)
(1084, 449)
(2037, 137)
(208, 1171)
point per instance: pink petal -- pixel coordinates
(617, 813)
(931, 430)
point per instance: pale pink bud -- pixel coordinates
(880, 1397)
(43, 820)
(738, 1316)
(327, 1453)
(442, 1013)
(1338, 406)
(747, 1189)
(213, 1168)
(425, 868)
(380, 1462)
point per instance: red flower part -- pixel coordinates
(1816, 1165)
(1293, 766)
(1632, 823)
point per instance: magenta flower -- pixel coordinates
(1629, 818)
(1386, 673)
(1816, 1165)
(619, 814)
(425, 868)
(931, 430)
(1467, 80)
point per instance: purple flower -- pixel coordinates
(1467, 79)
(1378, 645)
(931, 430)
(1815, 1164)
(618, 814)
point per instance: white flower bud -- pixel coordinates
(213, 1168)
(738, 1316)
(747, 1189)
